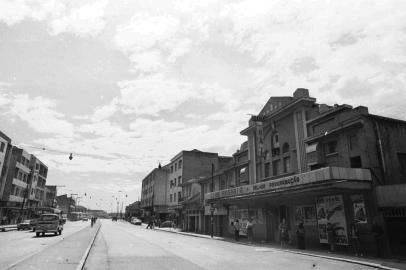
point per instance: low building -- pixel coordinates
(65, 204)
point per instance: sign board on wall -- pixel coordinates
(330, 210)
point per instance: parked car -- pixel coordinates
(24, 225)
(85, 219)
(49, 223)
(136, 221)
(33, 223)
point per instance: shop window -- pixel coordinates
(356, 162)
(286, 165)
(331, 147)
(267, 169)
(275, 167)
(402, 162)
(285, 148)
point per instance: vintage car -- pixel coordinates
(24, 225)
(49, 223)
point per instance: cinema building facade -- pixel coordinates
(320, 165)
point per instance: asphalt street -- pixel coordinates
(120, 245)
(15, 246)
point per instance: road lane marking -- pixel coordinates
(84, 258)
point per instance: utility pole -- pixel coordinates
(30, 176)
(211, 204)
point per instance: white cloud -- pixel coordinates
(79, 18)
(86, 20)
(40, 115)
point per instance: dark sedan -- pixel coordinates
(25, 225)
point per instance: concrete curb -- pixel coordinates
(359, 262)
(87, 252)
(8, 228)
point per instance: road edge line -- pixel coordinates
(87, 252)
(37, 252)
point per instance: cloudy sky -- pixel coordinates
(125, 85)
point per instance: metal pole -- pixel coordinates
(26, 192)
(211, 204)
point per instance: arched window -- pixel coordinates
(275, 140)
(285, 148)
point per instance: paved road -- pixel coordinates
(122, 245)
(17, 245)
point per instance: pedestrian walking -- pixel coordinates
(300, 233)
(283, 233)
(250, 229)
(236, 226)
(331, 237)
(355, 242)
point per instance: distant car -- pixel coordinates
(25, 225)
(168, 224)
(136, 221)
(85, 219)
(49, 223)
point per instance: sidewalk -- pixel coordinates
(387, 264)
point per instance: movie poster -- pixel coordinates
(330, 210)
(360, 215)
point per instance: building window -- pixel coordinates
(179, 180)
(242, 171)
(171, 169)
(176, 167)
(356, 162)
(402, 163)
(352, 142)
(174, 197)
(2, 147)
(286, 165)
(180, 164)
(275, 140)
(285, 148)
(179, 195)
(267, 169)
(174, 182)
(170, 198)
(275, 167)
(332, 147)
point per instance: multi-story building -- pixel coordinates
(17, 184)
(65, 204)
(154, 194)
(50, 196)
(232, 173)
(37, 193)
(321, 166)
(5, 148)
(186, 165)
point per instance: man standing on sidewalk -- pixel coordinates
(236, 226)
